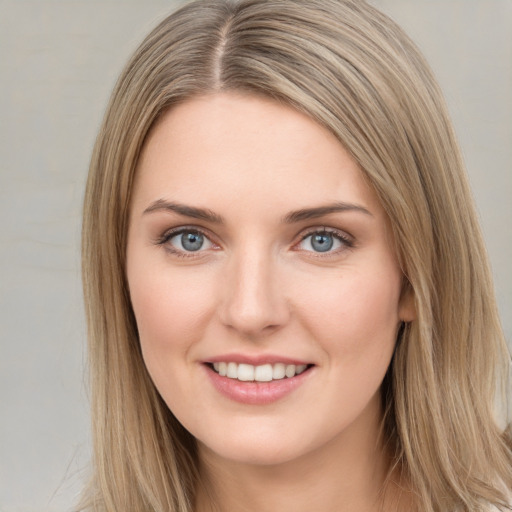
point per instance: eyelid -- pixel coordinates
(346, 239)
(172, 232)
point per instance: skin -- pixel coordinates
(258, 287)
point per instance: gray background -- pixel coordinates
(58, 63)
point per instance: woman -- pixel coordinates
(288, 298)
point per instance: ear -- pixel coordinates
(407, 304)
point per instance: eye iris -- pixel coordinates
(192, 241)
(322, 242)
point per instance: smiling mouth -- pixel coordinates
(262, 373)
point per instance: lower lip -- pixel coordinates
(256, 393)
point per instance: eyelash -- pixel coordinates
(345, 240)
(168, 235)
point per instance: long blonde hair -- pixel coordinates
(353, 70)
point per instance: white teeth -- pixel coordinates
(262, 373)
(245, 372)
(300, 368)
(278, 371)
(232, 372)
(290, 370)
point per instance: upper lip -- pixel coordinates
(255, 360)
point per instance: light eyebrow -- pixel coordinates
(290, 218)
(185, 210)
(320, 211)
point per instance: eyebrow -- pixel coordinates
(320, 211)
(290, 218)
(187, 211)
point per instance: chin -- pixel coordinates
(257, 448)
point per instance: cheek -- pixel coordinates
(170, 308)
(354, 315)
(172, 311)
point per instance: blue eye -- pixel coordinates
(323, 241)
(189, 241)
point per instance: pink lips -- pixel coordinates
(255, 393)
(255, 360)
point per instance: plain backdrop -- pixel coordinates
(58, 63)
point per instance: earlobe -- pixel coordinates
(407, 304)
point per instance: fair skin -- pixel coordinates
(254, 239)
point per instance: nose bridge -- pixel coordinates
(254, 302)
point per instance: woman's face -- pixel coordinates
(256, 249)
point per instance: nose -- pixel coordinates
(254, 304)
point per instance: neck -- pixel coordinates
(346, 474)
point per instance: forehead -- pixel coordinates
(226, 148)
